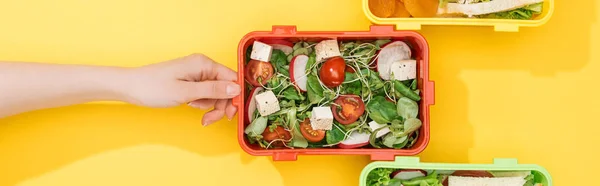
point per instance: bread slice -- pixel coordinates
(484, 7)
(481, 181)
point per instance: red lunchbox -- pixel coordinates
(420, 51)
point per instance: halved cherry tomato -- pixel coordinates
(309, 133)
(256, 70)
(347, 109)
(278, 133)
(332, 73)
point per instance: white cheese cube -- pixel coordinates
(266, 103)
(327, 49)
(374, 126)
(261, 51)
(321, 118)
(404, 70)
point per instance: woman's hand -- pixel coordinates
(195, 80)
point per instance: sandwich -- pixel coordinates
(499, 9)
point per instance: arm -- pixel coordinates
(195, 79)
(32, 86)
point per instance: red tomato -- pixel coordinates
(332, 73)
(349, 69)
(278, 133)
(347, 109)
(258, 69)
(309, 133)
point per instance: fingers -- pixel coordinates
(230, 110)
(207, 69)
(215, 114)
(209, 90)
(203, 103)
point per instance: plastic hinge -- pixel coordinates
(408, 26)
(407, 160)
(381, 29)
(506, 28)
(505, 161)
(431, 96)
(382, 157)
(283, 29)
(285, 157)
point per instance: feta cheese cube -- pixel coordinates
(327, 49)
(321, 118)
(374, 126)
(404, 70)
(261, 51)
(266, 103)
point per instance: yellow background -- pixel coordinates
(531, 95)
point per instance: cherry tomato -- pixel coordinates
(347, 109)
(332, 73)
(256, 70)
(349, 69)
(278, 133)
(309, 133)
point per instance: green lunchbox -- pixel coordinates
(540, 174)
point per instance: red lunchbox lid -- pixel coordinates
(420, 51)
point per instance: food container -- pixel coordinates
(420, 53)
(500, 25)
(499, 164)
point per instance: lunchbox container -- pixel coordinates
(500, 164)
(500, 25)
(420, 53)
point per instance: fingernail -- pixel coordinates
(233, 89)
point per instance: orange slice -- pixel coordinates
(382, 8)
(400, 10)
(422, 8)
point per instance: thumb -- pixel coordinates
(211, 90)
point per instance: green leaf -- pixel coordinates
(257, 126)
(381, 110)
(291, 93)
(298, 140)
(354, 87)
(315, 91)
(411, 125)
(405, 91)
(389, 140)
(279, 61)
(407, 108)
(379, 177)
(335, 135)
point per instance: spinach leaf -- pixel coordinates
(407, 108)
(335, 135)
(279, 61)
(354, 87)
(291, 93)
(257, 126)
(381, 110)
(315, 91)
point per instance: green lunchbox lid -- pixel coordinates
(500, 164)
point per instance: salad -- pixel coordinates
(417, 177)
(489, 9)
(344, 94)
